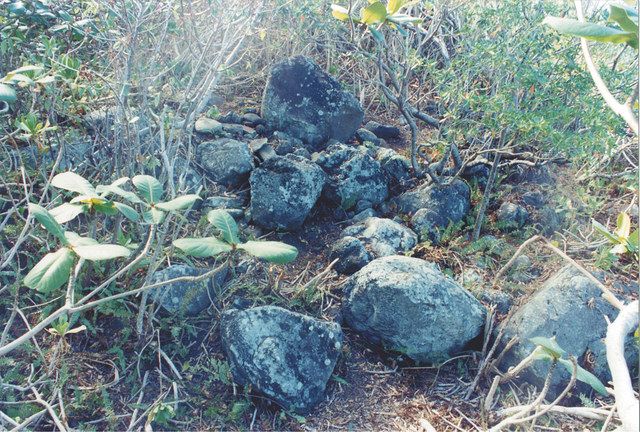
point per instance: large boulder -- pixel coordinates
(284, 190)
(383, 237)
(397, 168)
(189, 298)
(304, 101)
(435, 206)
(351, 253)
(354, 175)
(226, 160)
(408, 305)
(285, 355)
(512, 216)
(569, 306)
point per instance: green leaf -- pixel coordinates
(550, 345)
(339, 12)
(404, 19)
(128, 212)
(66, 212)
(48, 221)
(394, 6)
(202, 247)
(377, 35)
(591, 31)
(272, 251)
(107, 208)
(585, 376)
(105, 190)
(179, 203)
(76, 240)
(623, 225)
(7, 93)
(149, 187)
(101, 252)
(624, 17)
(153, 216)
(51, 272)
(632, 241)
(73, 182)
(604, 231)
(375, 13)
(224, 222)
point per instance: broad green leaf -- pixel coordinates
(7, 93)
(550, 345)
(149, 187)
(105, 190)
(153, 216)
(339, 12)
(604, 231)
(376, 34)
(67, 211)
(101, 252)
(27, 68)
(585, 376)
(202, 247)
(625, 20)
(404, 19)
(272, 251)
(632, 241)
(179, 203)
(107, 208)
(619, 249)
(394, 6)
(623, 225)
(128, 212)
(76, 240)
(375, 13)
(591, 31)
(73, 182)
(48, 221)
(88, 199)
(51, 272)
(224, 222)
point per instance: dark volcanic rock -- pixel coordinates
(285, 355)
(284, 190)
(351, 253)
(225, 160)
(382, 131)
(383, 237)
(302, 100)
(408, 305)
(512, 216)
(364, 135)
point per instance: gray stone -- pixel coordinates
(285, 143)
(408, 305)
(287, 356)
(364, 214)
(230, 117)
(535, 199)
(261, 149)
(304, 101)
(284, 190)
(512, 216)
(383, 237)
(252, 119)
(382, 130)
(397, 168)
(302, 152)
(351, 253)
(364, 135)
(549, 221)
(570, 307)
(354, 175)
(500, 299)
(226, 161)
(189, 298)
(208, 126)
(478, 173)
(185, 173)
(223, 202)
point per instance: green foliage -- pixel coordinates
(275, 252)
(622, 238)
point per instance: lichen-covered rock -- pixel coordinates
(569, 306)
(284, 190)
(287, 356)
(397, 168)
(354, 175)
(512, 216)
(382, 130)
(304, 101)
(382, 236)
(208, 126)
(226, 161)
(185, 177)
(364, 135)
(189, 298)
(351, 253)
(435, 207)
(408, 305)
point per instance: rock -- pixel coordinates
(208, 126)
(396, 168)
(501, 300)
(354, 175)
(304, 101)
(189, 298)
(535, 199)
(351, 253)
(549, 221)
(100, 120)
(435, 207)
(512, 216)
(539, 175)
(408, 305)
(478, 173)
(261, 149)
(570, 307)
(223, 202)
(287, 356)
(226, 160)
(252, 119)
(236, 130)
(284, 190)
(302, 152)
(382, 131)
(383, 237)
(364, 214)
(286, 143)
(191, 179)
(230, 117)
(470, 278)
(364, 135)
(362, 205)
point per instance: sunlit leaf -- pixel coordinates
(624, 17)
(66, 212)
(623, 225)
(272, 251)
(339, 12)
(128, 212)
(202, 247)
(591, 31)
(604, 231)
(225, 223)
(585, 376)
(48, 221)
(7, 93)
(153, 216)
(51, 272)
(375, 13)
(73, 182)
(550, 345)
(179, 203)
(149, 187)
(101, 252)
